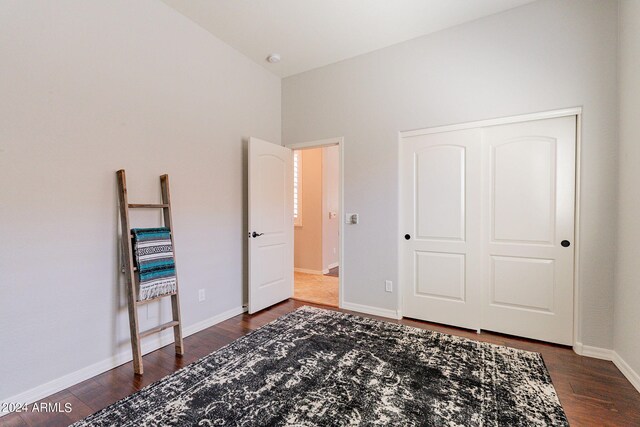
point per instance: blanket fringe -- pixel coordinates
(157, 290)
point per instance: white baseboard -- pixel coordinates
(54, 386)
(333, 265)
(626, 370)
(613, 356)
(595, 352)
(207, 323)
(305, 270)
(375, 311)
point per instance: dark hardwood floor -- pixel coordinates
(593, 392)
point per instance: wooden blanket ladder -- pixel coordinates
(130, 272)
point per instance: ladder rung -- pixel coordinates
(159, 328)
(147, 301)
(148, 205)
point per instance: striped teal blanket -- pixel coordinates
(153, 255)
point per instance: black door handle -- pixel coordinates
(254, 234)
(565, 243)
(407, 236)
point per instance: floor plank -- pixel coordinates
(593, 392)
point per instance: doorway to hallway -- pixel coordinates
(317, 224)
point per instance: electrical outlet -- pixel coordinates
(201, 295)
(388, 285)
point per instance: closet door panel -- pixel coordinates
(528, 205)
(440, 206)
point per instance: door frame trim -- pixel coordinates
(542, 115)
(339, 141)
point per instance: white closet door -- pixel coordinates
(528, 229)
(440, 244)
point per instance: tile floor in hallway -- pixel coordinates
(316, 288)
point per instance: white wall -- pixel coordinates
(331, 203)
(87, 88)
(627, 303)
(543, 56)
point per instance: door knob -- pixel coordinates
(254, 234)
(565, 243)
(407, 236)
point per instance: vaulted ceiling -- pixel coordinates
(312, 33)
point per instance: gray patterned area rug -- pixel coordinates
(316, 367)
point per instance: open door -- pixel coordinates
(270, 224)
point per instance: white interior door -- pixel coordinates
(440, 243)
(529, 187)
(270, 224)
